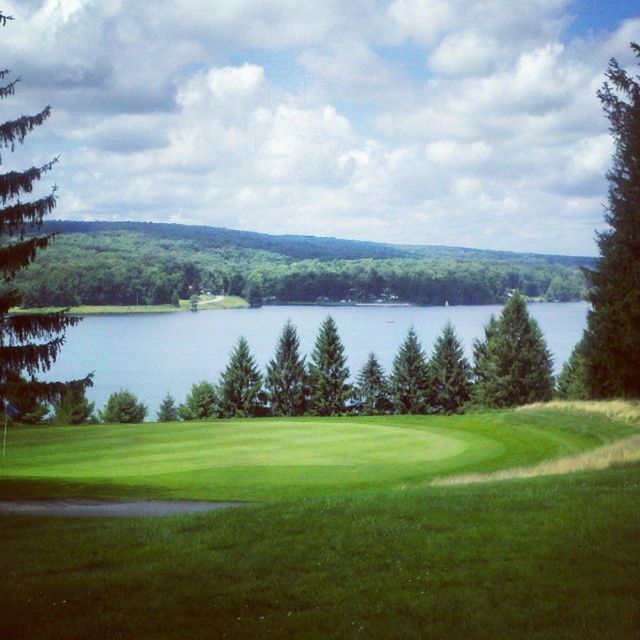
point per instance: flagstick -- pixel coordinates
(4, 438)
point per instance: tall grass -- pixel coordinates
(603, 457)
(623, 410)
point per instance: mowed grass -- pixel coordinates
(274, 459)
(349, 540)
(546, 558)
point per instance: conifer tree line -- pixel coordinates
(511, 366)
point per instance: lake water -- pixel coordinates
(158, 353)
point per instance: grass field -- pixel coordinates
(281, 459)
(350, 539)
(207, 302)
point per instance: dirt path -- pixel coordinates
(100, 508)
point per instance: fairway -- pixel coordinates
(273, 459)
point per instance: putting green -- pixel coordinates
(286, 458)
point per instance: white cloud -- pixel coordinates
(436, 121)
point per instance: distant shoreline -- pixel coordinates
(235, 302)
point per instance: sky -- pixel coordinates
(453, 122)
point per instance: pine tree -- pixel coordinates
(30, 343)
(612, 339)
(328, 372)
(200, 403)
(168, 411)
(572, 383)
(513, 366)
(450, 373)
(241, 392)
(122, 408)
(73, 408)
(372, 394)
(286, 380)
(484, 366)
(410, 384)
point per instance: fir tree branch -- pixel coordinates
(16, 182)
(29, 357)
(19, 217)
(9, 89)
(19, 328)
(48, 391)
(19, 255)
(15, 131)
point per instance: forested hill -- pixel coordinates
(124, 263)
(306, 247)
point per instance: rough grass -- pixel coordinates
(602, 457)
(622, 410)
(542, 559)
(275, 459)
(621, 452)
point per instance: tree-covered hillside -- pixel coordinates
(149, 263)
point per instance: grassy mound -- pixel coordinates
(291, 458)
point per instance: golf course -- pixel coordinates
(520, 523)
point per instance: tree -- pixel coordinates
(25, 401)
(612, 338)
(484, 366)
(328, 372)
(254, 295)
(241, 392)
(372, 396)
(201, 402)
(572, 382)
(28, 343)
(122, 408)
(514, 365)
(286, 380)
(72, 407)
(450, 373)
(168, 411)
(410, 377)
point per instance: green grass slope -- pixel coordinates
(275, 459)
(544, 559)
(382, 554)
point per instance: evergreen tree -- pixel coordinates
(28, 344)
(513, 366)
(122, 408)
(328, 372)
(168, 411)
(410, 385)
(241, 392)
(286, 379)
(572, 381)
(612, 339)
(450, 373)
(200, 403)
(372, 395)
(72, 407)
(483, 368)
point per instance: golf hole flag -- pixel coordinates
(10, 410)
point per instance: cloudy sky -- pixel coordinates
(458, 122)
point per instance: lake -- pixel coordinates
(158, 353)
